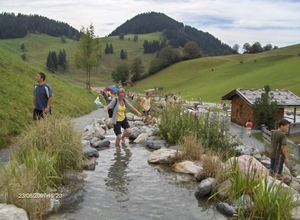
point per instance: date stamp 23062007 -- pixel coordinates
(39, 195)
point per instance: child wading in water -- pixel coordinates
(146, 105)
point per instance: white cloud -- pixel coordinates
(231, 21)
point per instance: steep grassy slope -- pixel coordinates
(16, 96)
(213, 77)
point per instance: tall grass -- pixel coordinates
(210, 128)
(192, 149)
(46, 150)
(270, 200)
(57, 136)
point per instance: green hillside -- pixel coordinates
(38, 46)
(16, 96)
(277, 68)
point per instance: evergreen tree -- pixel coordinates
(22, 47)
(107, 51)
(54, 59)
(265, 109)
(24, 56)
(50, 63)
(111, 49)
(122, 55)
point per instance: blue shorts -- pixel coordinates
(117, 127)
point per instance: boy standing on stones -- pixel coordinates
(279, 153)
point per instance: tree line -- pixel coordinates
(254, 48)
(54, 60)
(18, 26)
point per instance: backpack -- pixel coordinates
(111, 111)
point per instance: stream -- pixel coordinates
(125, 187)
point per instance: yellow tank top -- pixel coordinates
(121, 113)
(146, 104)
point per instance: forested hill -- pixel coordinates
(175, 32)
(17, 26)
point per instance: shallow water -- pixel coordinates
(124, 186)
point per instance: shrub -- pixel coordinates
(210, 129)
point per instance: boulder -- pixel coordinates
(226, 209)
(164, 156)
(141, 137)
(8, 212)
(90, 164)
(90, 152)
(100, 145)
(247, 164)
(187, 167)
(296, 213)
(205, 187)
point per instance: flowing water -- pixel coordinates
(125, 187)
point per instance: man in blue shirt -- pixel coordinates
(42, 97)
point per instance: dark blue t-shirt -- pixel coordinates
(42, 94)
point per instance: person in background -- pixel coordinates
(146, 106)
(119, 119)
(42, 97)
(249, 125)
(279, 153)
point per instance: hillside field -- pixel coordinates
(213, 77)
(37, 47)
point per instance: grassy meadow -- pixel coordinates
(213, 77)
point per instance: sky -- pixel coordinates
(275, 22)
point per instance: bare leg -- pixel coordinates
(126, 133)
(118, 139)
(148, 119)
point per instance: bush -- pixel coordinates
(210, 129)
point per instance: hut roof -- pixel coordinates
(284, 98)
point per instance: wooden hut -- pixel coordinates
(242, 103)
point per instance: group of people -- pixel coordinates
(42, 99)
